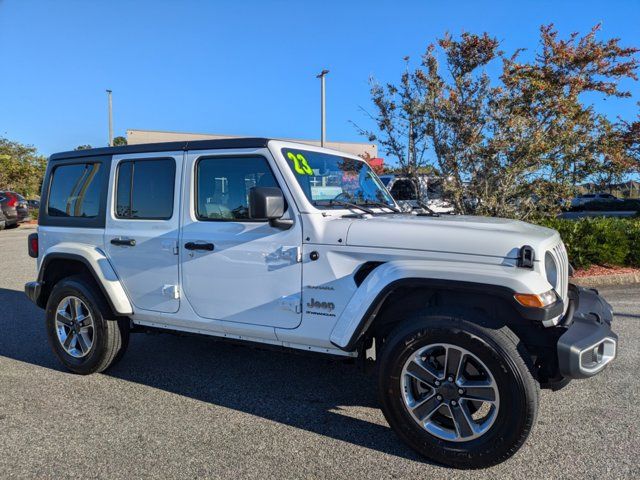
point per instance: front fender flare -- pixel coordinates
(98, 264)
(500, 280)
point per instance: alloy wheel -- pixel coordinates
(74, 326)
(450, 392)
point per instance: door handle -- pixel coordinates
(123, 242)
(199, 246)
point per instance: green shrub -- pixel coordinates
(599, 240)
(633, 235)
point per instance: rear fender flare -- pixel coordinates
(98, 265)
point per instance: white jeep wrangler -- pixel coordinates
(286, 244)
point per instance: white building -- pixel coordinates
(365, 150)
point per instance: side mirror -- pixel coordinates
(267, 203)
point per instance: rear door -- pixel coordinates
(141, 233)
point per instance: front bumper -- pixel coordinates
(588, 345)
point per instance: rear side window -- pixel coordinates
(403, 190)
(144, 189)
(75, 190)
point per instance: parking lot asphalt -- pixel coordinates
(178, 407)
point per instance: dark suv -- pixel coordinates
(14, 207)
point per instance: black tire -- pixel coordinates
(110, 333)
(499, 349)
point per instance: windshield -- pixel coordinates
(324, 177)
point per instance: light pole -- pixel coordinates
(321, 76)
(110, 118)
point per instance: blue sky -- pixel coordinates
(241, 67)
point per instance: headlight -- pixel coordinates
(551, 269)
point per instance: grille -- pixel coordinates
(562, 262)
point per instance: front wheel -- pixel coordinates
(456, 391)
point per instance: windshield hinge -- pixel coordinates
(526, 257)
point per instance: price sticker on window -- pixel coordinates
(300, 163)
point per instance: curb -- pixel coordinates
(603, 280)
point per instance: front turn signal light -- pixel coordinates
(536, 300)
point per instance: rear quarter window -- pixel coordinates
(75, 190)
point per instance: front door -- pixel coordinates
(234, 268)
(142, 226)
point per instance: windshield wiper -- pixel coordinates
(342, 203)
(428, 211)
(381, 205)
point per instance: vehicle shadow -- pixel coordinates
(321, 395)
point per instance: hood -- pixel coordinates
(495, 237)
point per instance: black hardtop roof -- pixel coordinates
(166, 147)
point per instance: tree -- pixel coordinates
(401, 129)
(119, 141)
(619, 155)
(573, 141)
(21, 168)
(516, 145)
(629, 135)
(457, 115)
(378, 169)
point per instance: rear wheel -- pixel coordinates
(457, 392)
(80, 327)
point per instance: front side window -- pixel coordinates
(145, 189)
(325, 177)
(75, 191)
(223, 185)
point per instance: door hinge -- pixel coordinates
(292, 303)
(293, 253)
(170, 245)
(171, 291)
